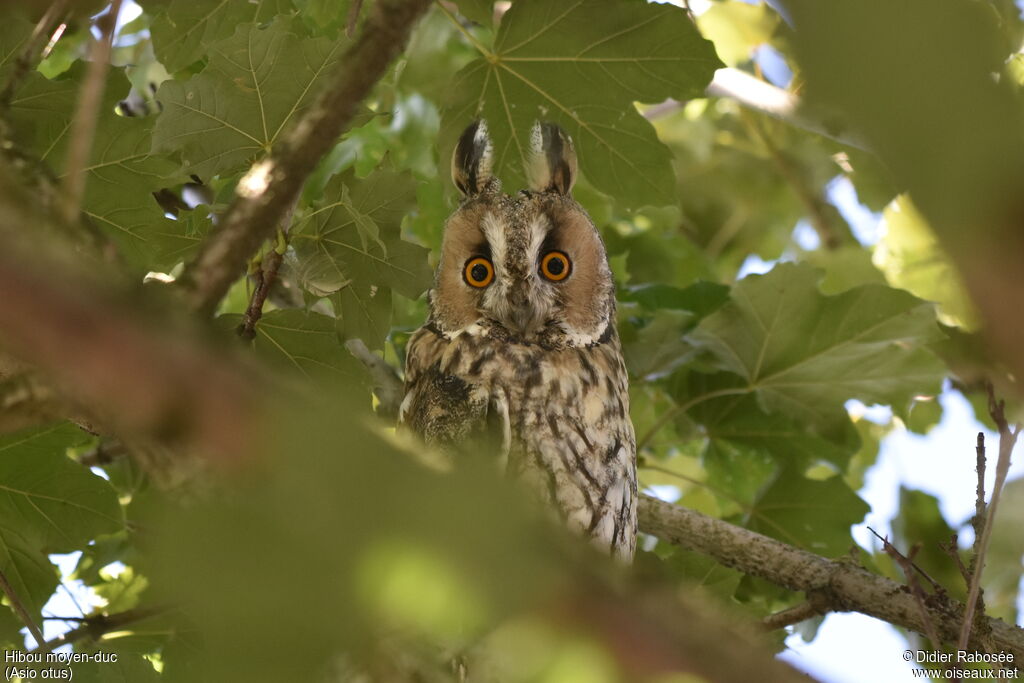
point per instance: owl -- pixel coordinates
(521, 342)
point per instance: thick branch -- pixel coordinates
(271, 186)
(848, 587)
(102, 350)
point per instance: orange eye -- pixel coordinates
(555, 266)
(478, 272)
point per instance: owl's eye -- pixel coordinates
(555, 266)
(478, 272)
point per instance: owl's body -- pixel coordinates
(521, 347)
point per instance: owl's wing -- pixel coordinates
(449, 411)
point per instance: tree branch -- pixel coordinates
(271, 185)
(19, 609)
(83, 125)
(910, 571)
(387, 385)
(108, 350)
(265, 277)
(1007, 440)
(95, 626)
(848, 587)
(815, 605)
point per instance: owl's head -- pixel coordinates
(528, 268)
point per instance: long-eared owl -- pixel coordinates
(521, 341)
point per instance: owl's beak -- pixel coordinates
(522, 314)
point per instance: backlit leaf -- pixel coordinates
(805, 354)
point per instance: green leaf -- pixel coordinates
(183, 33)
(583, 65)
(255, 83)
(128, 667)
(700, 570)
(326, 15)
(845, 268)
(925, 413)
(304, 342)
(122, 174)
(700, 298)
(480, 11)
(958, 122)
(911, 258)
(14, 31)
(331, 230)
(364, 312)
(658, 348)
(49, 504)
(814, 515)
(804, 354)
(739, 419)
(736, 473)
(121, 592)
(9, 627)
(41, 112)
(736, 28)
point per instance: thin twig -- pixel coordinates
(979, 504)
(19, 609)
(894, 552)
(95, 626)
(32, 51)
(910, 571)
(83, 126)
(265, 277)
(1007, 440)
(816, 605)
(353, 17)
(272, 184)
(953, 550)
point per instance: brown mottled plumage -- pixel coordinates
(526, 347)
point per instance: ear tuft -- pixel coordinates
(472, 160)
(552, 163)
